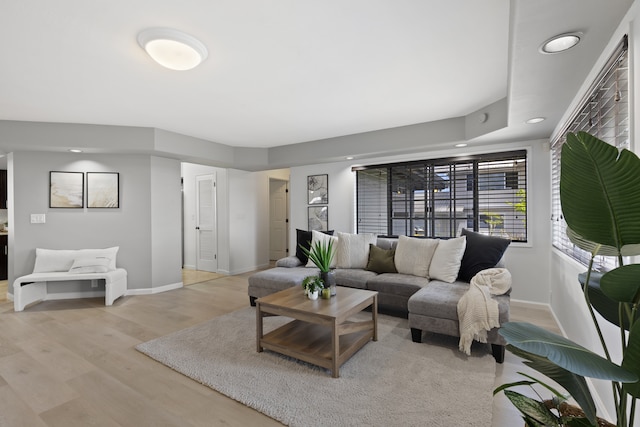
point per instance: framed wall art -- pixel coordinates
(66, 189)
(318, 189)
(318, 218)
(103, 189)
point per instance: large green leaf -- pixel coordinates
(593, 248)
(622, 284)
(563, 352)
(604, 305)
(532, 408)
(600, 191)
(575, 384)
(631, 360)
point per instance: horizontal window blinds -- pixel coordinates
(604, 113)
(439, 197)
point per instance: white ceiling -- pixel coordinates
(288, 71)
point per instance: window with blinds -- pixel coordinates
(440, 197)
(604, 113)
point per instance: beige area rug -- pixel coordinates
(391, 382)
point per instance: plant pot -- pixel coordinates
(568, 410)
(329, 280)
(313, 295)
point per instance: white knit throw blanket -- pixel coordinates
(477, 311)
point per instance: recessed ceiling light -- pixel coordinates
(173, 49)
(535, 120)
(462, 144)
(560, 43)
(349, 157)
(75, 150)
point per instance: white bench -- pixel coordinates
(62, 265)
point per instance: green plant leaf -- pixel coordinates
(532, 408)
(593, 248)
(632, 359)
(599, 191)
(622, 284)
(530, 422)
(563, 352)
(604, 305)
(321, 254)
(577, 422)
(574, 384)
(513, 384)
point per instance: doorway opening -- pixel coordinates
(278, 219)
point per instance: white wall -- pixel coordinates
(249, 218)
(528, 263)
(567, 301)
(144, 227)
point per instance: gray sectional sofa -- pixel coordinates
(430, 305)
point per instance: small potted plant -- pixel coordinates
(321, 254)
(312, 286)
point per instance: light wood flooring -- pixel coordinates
(73, 363)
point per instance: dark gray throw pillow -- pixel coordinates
(303, 238)
(481, 252)
(381, 260)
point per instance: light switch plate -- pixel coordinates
(38, 218)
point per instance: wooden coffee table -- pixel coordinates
(321, 332)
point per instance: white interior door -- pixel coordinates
(206, 236)
(278, 223)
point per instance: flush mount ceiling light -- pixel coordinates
(173, 49)
(560, 43)
(75, 150)
(462, 144)
(535, 120)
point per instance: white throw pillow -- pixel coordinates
(50, 260)
(446, 261)
(413, 256)
(352, 250)
(90, 265)
(317, 236)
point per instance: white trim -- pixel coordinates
(188, 267)
(150, 291)
(246, 270)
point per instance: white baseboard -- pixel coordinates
(9, 296)
(247, 270)
(159, 289)
(531, 303)
(188, 267)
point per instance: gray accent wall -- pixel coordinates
(146, 227)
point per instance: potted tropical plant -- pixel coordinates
(600, 196)
(312, 286)
(321, 254)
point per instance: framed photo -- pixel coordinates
(103, 189)
(318, 189)
(318, 218)
(66, 189)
